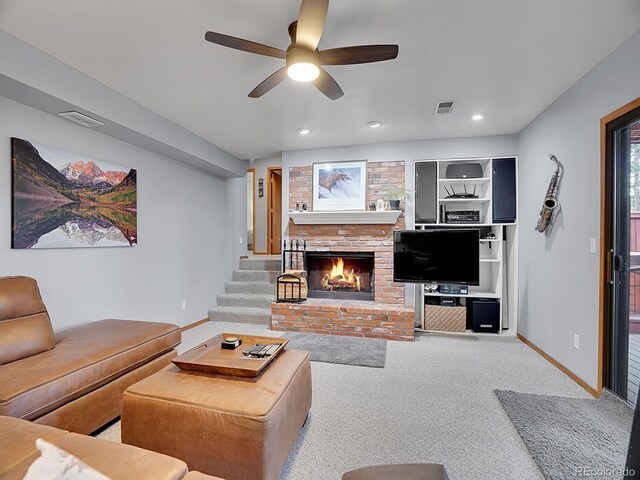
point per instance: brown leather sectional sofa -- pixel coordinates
(73, 380)
(115, 460)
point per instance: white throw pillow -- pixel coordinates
(56, 464)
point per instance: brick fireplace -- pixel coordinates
(384, 314)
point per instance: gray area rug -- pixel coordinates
(364, 352)
(565, 434)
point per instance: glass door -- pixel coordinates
(622, 339)
(630, 137)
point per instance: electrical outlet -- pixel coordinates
(240, 240)
(576, 341)
(593, 245)
(184, 304)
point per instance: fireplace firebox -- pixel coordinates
(340, 275)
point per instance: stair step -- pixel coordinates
(244, 300)
(255, 276)
(251, 288)
(271, 264)
(254, 316)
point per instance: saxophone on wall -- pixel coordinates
(550, 203)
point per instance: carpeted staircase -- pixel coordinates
(248, 297)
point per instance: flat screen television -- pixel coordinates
(437, 256)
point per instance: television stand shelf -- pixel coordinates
(479, 294)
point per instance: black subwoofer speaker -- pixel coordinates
(426, 192)
(484, 315)
(504, 190)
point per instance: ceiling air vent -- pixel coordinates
(444, 107)
(81, 119)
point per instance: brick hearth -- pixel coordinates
(343, 317)
(386, 317)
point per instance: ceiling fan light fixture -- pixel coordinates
(303, 61)
(303, 72)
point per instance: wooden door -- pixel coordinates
(274, 210)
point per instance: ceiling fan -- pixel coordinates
(303, 59)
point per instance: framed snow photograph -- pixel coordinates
(340, 185)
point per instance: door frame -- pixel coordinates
(253, 210)
(269, 170)
(605, 267)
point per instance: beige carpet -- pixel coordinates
(433, 402)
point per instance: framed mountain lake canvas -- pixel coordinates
(63, 200)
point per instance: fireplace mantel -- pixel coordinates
(345, 217)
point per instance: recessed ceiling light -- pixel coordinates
(374, 124)
(303, 131)
(478, 116)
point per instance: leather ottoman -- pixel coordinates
(232, 427)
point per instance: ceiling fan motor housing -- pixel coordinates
(296, 54)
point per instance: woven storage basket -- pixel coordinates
(445, 319)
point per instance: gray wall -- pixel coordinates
(558, 274)
(237, 205)
(260, 234)
(408, 152)
(185, 249)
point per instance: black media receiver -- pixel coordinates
(462, 216)
(454, 289)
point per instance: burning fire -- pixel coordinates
(340, 278)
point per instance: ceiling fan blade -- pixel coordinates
(357, 54)
(327, 85)
(270, 82)
(313, 15)
(244, 45)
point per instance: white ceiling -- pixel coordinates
(508, 58)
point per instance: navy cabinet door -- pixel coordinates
(504, 190)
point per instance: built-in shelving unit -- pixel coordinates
(435, 194)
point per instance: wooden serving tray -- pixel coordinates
(210, 357)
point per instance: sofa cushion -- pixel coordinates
(56, 464)
(115, 460)
(84, 359)
(120, 461)
(25, 328)
(18, 440)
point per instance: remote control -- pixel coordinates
(273, 348)
(255, 350)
